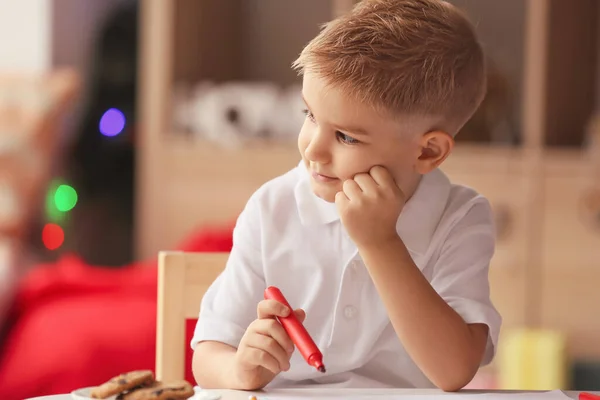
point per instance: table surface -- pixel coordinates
(314, 393)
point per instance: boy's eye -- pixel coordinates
(342, 137)
(309, 115)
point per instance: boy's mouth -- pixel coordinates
(323, 178)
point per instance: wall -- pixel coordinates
(25, 44)
(74, 26)
(36, 35)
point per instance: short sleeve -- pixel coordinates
(461, 272)
(229, 304)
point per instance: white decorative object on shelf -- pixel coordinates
(232, 113)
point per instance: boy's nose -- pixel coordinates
(318, 150)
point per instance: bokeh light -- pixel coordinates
(53, 236)
(112, 122)
(60, 198)
(65, 198)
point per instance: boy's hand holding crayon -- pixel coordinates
(265, 349)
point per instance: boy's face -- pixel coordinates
(341, 138)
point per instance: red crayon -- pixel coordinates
(297, 332)
(588, 396)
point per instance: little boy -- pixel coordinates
(386, 260)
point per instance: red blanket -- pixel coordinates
(77, 325)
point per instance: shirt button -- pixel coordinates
(350, 312)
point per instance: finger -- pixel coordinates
(300, 314)
(255, 357)
(366, 183)
(275, 330)
(341, 200)
(382, 176)
(352, 190)
(271, 309)
(269, 345)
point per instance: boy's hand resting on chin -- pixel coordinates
(369, 206)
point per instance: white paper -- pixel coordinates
(549, 395)
(200, 394)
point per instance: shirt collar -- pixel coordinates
(417, 222)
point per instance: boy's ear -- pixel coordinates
(435, 147)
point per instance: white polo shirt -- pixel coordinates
(289, 238)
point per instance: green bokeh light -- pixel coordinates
(60, 198)
(65, 198)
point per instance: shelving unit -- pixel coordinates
(547, 244)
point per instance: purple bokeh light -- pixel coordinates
(112, 122)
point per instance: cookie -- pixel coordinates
(122, 395)
(178, 390)
(122, 383)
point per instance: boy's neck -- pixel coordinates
(410, 186)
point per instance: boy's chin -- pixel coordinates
(325, 194)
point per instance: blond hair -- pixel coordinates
(404, 57)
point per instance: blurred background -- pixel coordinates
(133, 126)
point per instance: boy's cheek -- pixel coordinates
(303, 137)
(401, 176)
(302, 142)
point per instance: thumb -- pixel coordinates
(300, 314)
